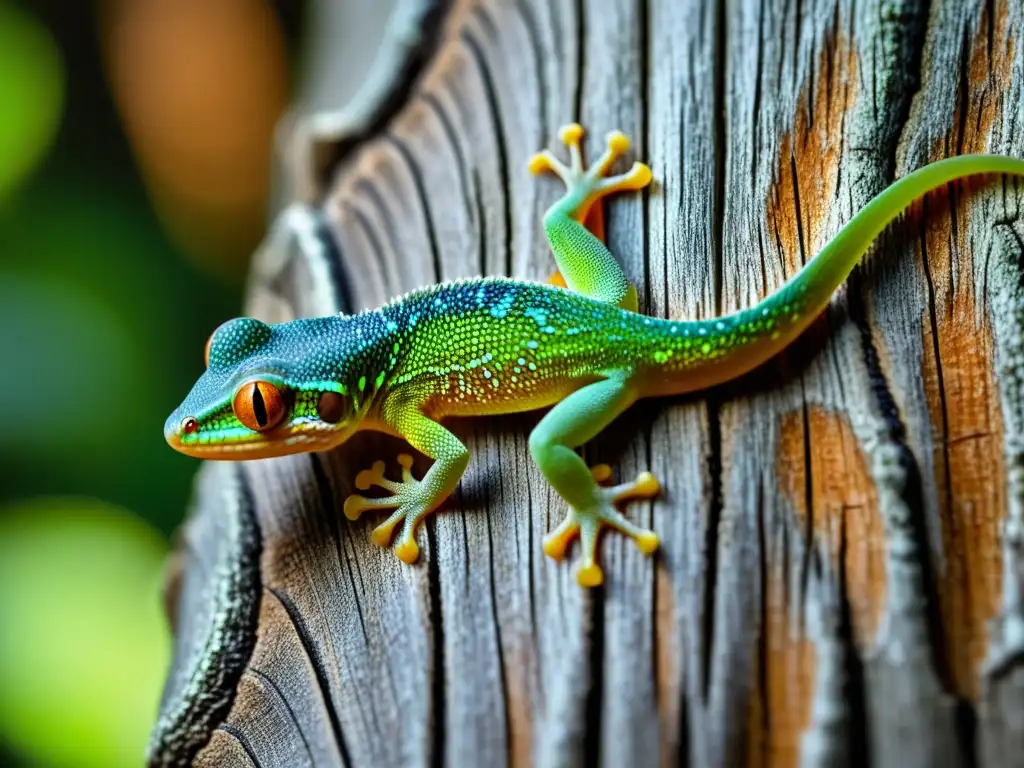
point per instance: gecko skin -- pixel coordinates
(496, 345)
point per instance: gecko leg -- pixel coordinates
(411, 499)
(569, 424)
(585, 264)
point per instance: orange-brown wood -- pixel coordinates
(809, 158)
(783, 692)
(797, 214)
(963, 404)
(989, 70)
(520, 705)
(963, 399)
(841, 509)
(668, 663)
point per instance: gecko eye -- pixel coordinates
(189, 426)
(259, 405)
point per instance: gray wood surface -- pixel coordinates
(841, 579)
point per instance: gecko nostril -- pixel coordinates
(189, 426)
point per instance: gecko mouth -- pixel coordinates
(282, 441)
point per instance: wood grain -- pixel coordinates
(842, 571)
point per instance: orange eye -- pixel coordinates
(259, 405)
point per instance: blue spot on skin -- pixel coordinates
(537, 315)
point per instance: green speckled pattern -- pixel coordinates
(477, 346)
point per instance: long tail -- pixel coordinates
(744, 340)
(823, 274)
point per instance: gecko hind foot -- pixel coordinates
(588, 185)
(407, 499)
(587, 523)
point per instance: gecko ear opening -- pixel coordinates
(330, 407)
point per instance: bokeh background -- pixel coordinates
(135, 161)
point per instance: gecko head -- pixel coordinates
(254, 401)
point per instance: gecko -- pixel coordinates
(496, 345)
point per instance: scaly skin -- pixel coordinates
(495, 345)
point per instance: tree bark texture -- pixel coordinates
(841, 579)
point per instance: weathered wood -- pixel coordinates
(842, 569)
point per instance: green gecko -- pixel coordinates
(498, 345)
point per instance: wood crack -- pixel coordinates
(502, 672)
(499, 134)
(943, 408)
(319, 670)
(439, 672)
(710, 554)
(242, 740)
(329, 509)
(533, 35)
(421, 193)
(581, 59)
(379, 204)
(594, 643)
(279, 696)
(721, 145)
(376, 246)
(470, 186)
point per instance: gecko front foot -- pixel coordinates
(589, 522)
(588, 185)
(409, 499)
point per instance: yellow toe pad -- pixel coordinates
(407, 550)
(589, 575)
(571, 133)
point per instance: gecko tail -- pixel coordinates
(814, 285)
(737, 343)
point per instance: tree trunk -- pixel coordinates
(841, 579)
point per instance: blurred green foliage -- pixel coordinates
(102, 322)
(83, 644)
(32, 94)
(102, 328)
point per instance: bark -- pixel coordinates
(841, 580)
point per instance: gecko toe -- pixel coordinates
(407, 550)
(355, 505)
(570, 134)
(589, 575)
(647, 542)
